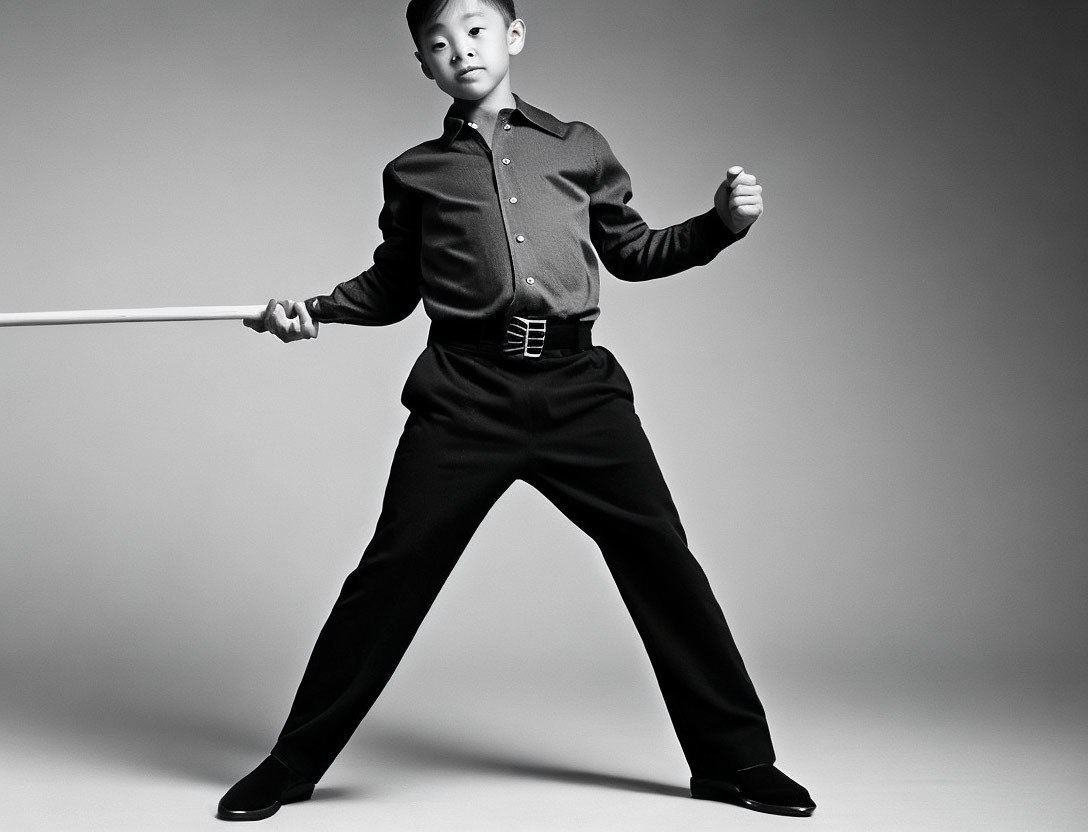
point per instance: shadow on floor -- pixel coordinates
(112, 724)
(431, 753)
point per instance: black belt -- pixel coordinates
(514, 338)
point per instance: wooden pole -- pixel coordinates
(112, 316)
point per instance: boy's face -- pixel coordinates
(466, 50)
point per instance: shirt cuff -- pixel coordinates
(711, 223)
(313, 306)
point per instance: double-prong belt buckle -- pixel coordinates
(525, 337)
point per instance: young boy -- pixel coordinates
(494, 226)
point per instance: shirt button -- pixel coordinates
(473, 125)
(506, 127)
(530, 280)
(520, 238)
(514, 199)
(506, 161)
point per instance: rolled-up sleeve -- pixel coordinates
(627, 246)
(389, 290)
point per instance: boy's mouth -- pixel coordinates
(467, 70)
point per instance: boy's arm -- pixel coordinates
(385, 293)
(631, 250)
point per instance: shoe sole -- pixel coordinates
(296, 794)
(724, 793)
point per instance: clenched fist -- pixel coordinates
(288, 320)
(739, 199)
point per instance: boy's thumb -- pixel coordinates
(732, 174)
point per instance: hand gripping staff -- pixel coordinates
(110, 316)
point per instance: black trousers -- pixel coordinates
(566, 425)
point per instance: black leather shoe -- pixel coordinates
(760, 788)
(260, 793)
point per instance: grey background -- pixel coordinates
(872, 412)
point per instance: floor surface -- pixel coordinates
(971, 758)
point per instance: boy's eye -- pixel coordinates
(475, 30)
(438, 45)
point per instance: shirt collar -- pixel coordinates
(545, 121)
(454, 124)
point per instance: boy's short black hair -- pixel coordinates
(422, 12)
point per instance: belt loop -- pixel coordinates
(585, 336)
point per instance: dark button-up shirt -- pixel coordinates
(514, 229)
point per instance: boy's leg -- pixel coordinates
(596, 465)
(454, 460)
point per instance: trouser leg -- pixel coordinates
(594, 462)
(449, 469)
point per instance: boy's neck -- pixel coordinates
(484, 112)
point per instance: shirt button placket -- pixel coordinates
(513, 200)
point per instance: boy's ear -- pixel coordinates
(515, 36)
(423, 66)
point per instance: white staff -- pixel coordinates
(111, 316)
